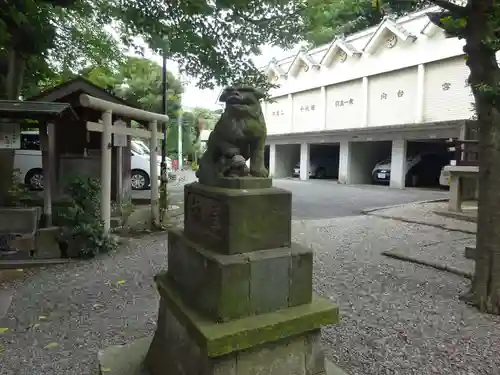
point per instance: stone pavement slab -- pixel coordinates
(446, 256)
(124, 359)
(425, 214)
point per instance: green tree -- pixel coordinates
(41, 40)
(325, 19)
(139, 82)
(189, 135)
(213, 41)
(478, 22)
(207, 117)
(65, 36)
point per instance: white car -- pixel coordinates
(139, 175)
(28, 160)
(421, 170)
(444, 177)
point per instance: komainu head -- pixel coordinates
(242, 100)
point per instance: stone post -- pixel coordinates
(237, 296)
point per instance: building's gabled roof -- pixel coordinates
(302, 58)
(74, 85)
(337, 45)
(273, 67)
(375, 31)
(388, 24)
(429, 29)
(35, 110)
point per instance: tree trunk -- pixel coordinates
(15, 75)
(485, 289)
(16, 64)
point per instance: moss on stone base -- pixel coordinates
(218, 339)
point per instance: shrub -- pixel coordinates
(82, 227)
(18, 191)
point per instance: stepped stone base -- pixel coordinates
(227, 287)
(276, 343)
(129, 360)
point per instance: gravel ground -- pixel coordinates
(397, 317)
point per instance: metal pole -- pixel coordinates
(164, 125)
(179, 141)
(163, 206)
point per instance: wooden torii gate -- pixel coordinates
(107, 129)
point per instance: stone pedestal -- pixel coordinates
(237, 296)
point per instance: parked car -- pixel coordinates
(28, 160)
(421, 169)
(139, 173)
(320, 167)
(444, 178)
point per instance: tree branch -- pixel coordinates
(454, 8)
(265, 20)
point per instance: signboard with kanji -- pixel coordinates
(10, 136)
(344, 105)
(308, 111)
(278, 116)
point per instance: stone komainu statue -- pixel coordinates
(239, 135)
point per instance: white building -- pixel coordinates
(372, 95)
(204, 134)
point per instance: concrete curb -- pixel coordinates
(367, 211)
(5, 301)
(441, 267)
(457, 216)
(439, 226)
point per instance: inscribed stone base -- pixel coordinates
(278, 343)
(129, 360)
(232, 221)
(226, 287)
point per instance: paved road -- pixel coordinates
(322, 199)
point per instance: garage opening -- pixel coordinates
(363, 159)
(425, 162)
(287, 157)
(324, 161)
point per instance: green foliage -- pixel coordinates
(325, 19)
(57, 39)
(17, 191)
(81, 220)
(215, 53)
(195, 166)
(125, 210)
(190, 134)
(139, 82)
(207, 117)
